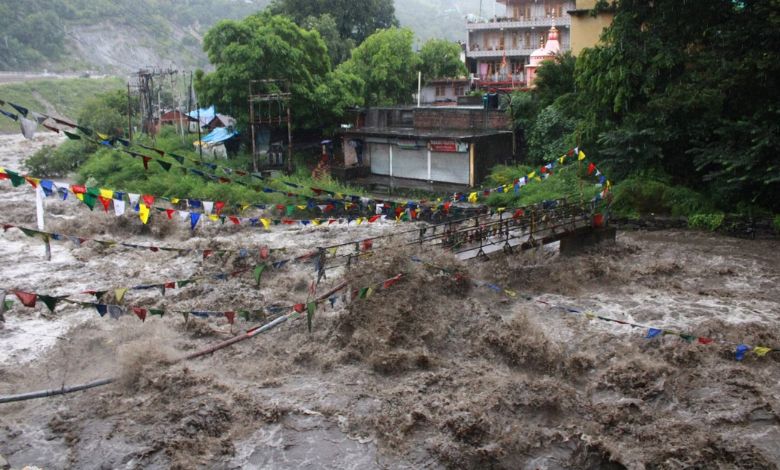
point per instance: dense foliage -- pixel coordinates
(387, 65)
(355, 19)
(694, 103)
(264, 46)
(440, 58)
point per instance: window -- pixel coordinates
(527, 40)
(440, 90)
(459, 90)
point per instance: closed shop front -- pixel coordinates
(410, 163)
(380, 158)
(447, 167)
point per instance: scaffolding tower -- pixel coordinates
(269, 105)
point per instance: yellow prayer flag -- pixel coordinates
(531, 175)
(581, 155)
(174, 200)
(501, 210)
(102, 136)
(359, 220)
(369, 292)
(301, 207)
(761, 351)
(510, 293)
(538, 179)
(120, 294)
(266, 223)
(316, 221)
(79, 196)
(107, 193)
(213, 217)
(333, 251)
(562, 159)
(473, 198)
(589, 315)
(244, 207)
(143, 213)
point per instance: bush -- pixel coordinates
(776, 223)
(643, 194)
(53, 162)
(565, 182)
(709, 222)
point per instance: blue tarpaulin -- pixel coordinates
(220, 134)
(206, 114)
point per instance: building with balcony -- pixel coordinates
(498, 49)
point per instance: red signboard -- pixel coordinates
(443, 146)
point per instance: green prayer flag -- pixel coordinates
(165, 165)
(156, 312)
(29, 232)
(244, 314)
(90, 199)
(310, 308)
(16, 178)
(290, 210)
(687, 338)
(363, 292)
(259, 272)
(51, 302)
(72, 136)
(181, 284)
(8, 304)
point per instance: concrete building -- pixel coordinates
(444, 91)
(499, 48)
(453, 145)
(551, 48)
(586, 28)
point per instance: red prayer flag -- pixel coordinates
(207, 253)
(299, 308)
(28, 299)
(170, 285)
(367, 245)
(106, 202)
(231, 316)
(148, 199)
(31, 181)
(218, 206)
(140, 312)
(234, 219)
(146, 162)
(591, 168)
(78, 189)
(373, 218)
(704, 340)
(170, 213)
(390, 282)
(264, 252)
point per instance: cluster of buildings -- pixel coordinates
(452, 140)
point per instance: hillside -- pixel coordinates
(124, 35)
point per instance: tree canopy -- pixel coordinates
(440, 58)
(262, 46)
(355, 19)
(387, 66)
(694, 103)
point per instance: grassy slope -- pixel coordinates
(66, 96)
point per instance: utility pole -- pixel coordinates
(129, 115)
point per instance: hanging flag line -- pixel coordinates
(29, 299)
(740, 350)
(143, 205)
(106, 140)
(544, 172)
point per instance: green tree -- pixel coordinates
(440, 58)
(356, 19)
(387, 66)
(339, 48)
(695, 99)
(262, 46)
